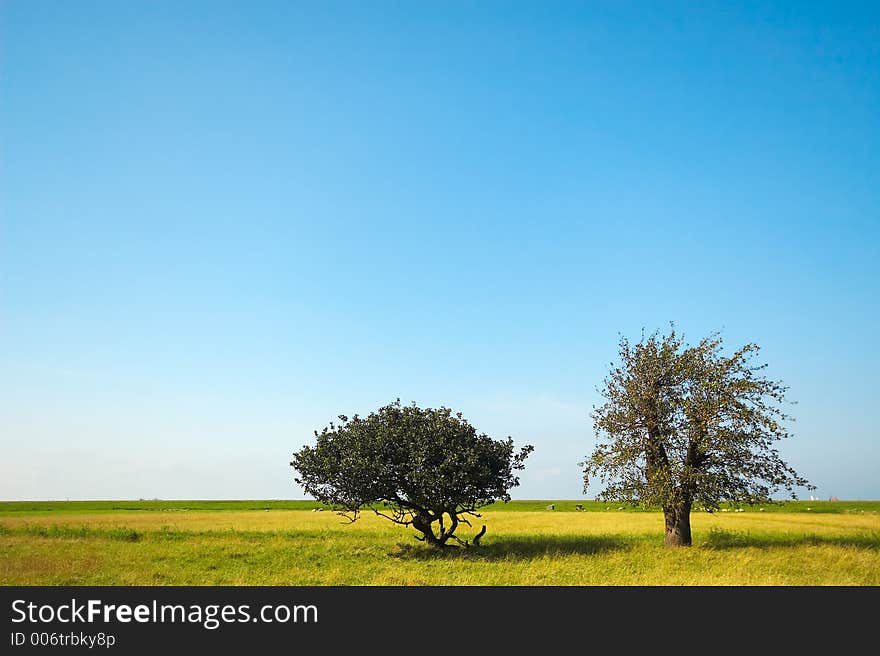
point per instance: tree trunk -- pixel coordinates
(422, 523)
(678, 525)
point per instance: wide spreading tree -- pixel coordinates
(415, 466)
(684, 425)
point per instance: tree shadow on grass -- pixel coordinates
(518, 548)
(723, 539)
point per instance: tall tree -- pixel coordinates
(415, 466)
(687, 424)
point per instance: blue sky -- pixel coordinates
(223, 224)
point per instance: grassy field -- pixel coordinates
(284, 543)
(17, 508)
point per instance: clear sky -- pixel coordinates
(224, 223)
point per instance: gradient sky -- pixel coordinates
(224, 223)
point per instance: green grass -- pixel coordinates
(240, 543)
(13, 508)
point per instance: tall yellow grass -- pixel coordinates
(521, 548)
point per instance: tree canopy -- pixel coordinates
(687, 424)
(415, 466)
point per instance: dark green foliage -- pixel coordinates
(683, 425)
(415, 466)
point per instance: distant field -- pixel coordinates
(242, 543)
(13, 508)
